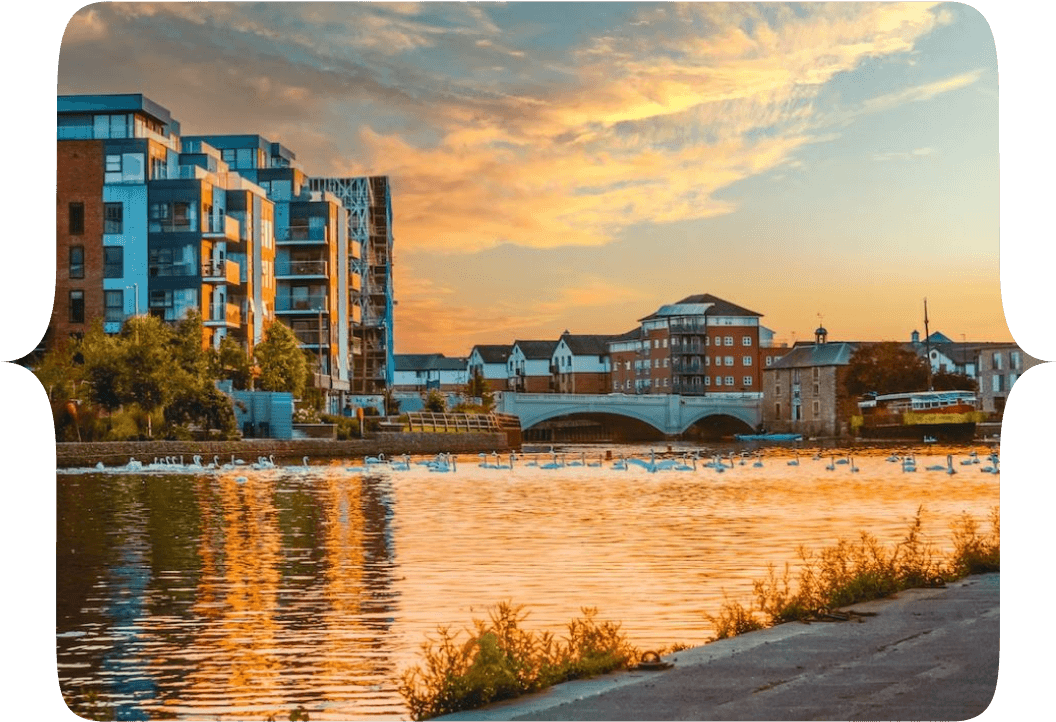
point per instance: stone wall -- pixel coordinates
(117, 453)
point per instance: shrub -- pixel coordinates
(500, 660)
(973, 553)
(734, 619)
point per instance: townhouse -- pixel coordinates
(490, 361)
(528, 369)
(580, 364)
(424, 372)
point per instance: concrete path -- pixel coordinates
(927, 654)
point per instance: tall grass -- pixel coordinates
(500, 659)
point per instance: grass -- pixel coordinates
(500, 659)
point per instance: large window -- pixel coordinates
(173, 305)
(178, 261)
(125, 168)
(113, 218)
(113, 301)
(113, 261)
(76, 306)
(173, 216)
(76, 261)
(76, 219)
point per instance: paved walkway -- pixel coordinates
(927, 654)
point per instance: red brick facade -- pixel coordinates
(80, 180)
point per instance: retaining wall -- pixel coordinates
(117, 453)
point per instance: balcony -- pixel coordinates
(312, 337)
(312, 303)
(221, 271)
(222, 228)
(301, 269)
(293, 235)
(223, 314)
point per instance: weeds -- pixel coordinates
(500, 660)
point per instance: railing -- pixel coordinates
(300, 268)
(312, 337)
(314, 302)
(317, 234)
(222, 270)
(426, 421)
(226, 313)
(222, 226)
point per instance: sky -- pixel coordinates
(568, 166)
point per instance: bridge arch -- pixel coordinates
(538, 416)
(747, 416)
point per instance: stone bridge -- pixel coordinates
(670, 413)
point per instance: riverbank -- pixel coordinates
(920, 654)
(115, 453)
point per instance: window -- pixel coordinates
(746, 340)
(998, 361)
(746, 381)
(718, 381)
(113, 261)
(113, 218)
(665, 363)
(707, 381)
(76, 306)
(777, 411)
(727, 340)
(113, 302)
(746, 360)
(626, 365)
(729, 381)
(76, 219)
(769, 360)
(707, 360)
(173, 216)
(998, 383)
(76, 261)
(816, 408)
(113, 164)
(664, 343)
(1014, 360)
(777, 390)
(817, 389)
(656, 343)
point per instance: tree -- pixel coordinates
(232, 363)
(478, 388)
(944, 381)
(188, 348)
(884, 368)
(435, 401)
(203, 406)
(281, 361)
(149, 373)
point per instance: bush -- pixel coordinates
(972, 553)
(347, 428)
(501, 660)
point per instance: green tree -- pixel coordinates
(203, 406)
(435, 401)
(281, 361)
(884, 368)
(478, 387)
(188, 348)
(943, 381)
(231, 362)
(105, 368)
(149, 374)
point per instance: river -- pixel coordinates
(243, 593)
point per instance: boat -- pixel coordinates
(768, 437)
(923, 415)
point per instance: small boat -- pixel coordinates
(768, 437)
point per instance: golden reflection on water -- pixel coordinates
(267, 590)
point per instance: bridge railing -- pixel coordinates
(428, 421)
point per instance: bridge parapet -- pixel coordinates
(669, 413)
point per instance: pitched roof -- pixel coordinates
(834, 353)
(588, 344)
(701, 304)
(536, 349)
(426, 362)
(494, 353)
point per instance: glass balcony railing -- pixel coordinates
(227, 314)
(300, 268)
(221, 271)
(314, 302)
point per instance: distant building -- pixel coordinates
(424, 372)
(802, 391)
(580, 364)
(490, 360)
(1000, 365)
(624, 352)
(528, 368)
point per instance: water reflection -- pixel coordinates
(250, 593)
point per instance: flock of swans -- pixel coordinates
(448, 463)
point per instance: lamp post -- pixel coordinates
(135, 287)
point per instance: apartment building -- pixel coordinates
(149, 221)
(368, 203)
(699, 345)
(528, 369)
(580, 364)
(424, 372)
(143, 224)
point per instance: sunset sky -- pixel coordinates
(574, 166)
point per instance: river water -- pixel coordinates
(245, 593)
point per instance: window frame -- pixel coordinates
(75, 211)
(76, 270)
(114, 226)
(76, 301)
(112, 269)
